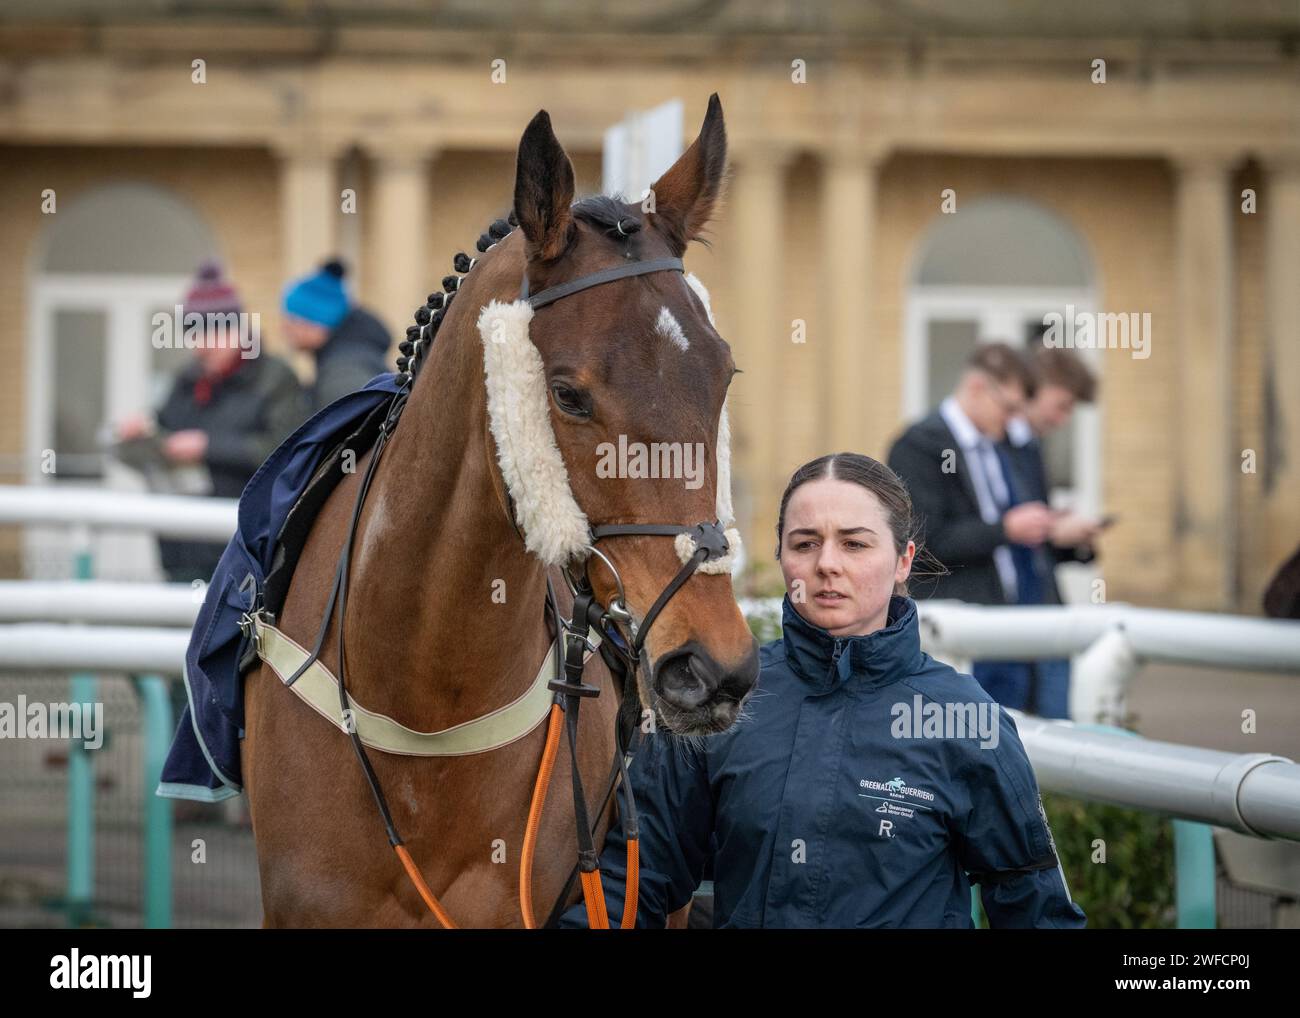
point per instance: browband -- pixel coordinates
(554, 293)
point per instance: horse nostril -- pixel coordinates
(691, 679)
(684, 680)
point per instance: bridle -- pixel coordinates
(707, 541)
(708, 538)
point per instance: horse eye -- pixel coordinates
(570, 400)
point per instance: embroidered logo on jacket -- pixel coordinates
(895, 802)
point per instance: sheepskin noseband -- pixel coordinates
(555, 528)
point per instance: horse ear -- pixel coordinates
(684, 196)
(543, 190)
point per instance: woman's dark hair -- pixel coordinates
(873, 475)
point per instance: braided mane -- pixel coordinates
(603, 211)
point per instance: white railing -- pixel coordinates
(177, 516)
(1179, 637)
(1253, 793)
(100, 602)
(1108, 643)
(139, 650)
(46, 626)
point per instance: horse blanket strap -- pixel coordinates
(318, 688)
(553, 293)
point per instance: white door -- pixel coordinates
(111, 258)
(93, 363)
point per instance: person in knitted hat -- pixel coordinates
(350, 344)
(227, 410)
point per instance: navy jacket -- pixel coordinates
(355, 352)
(829, 807)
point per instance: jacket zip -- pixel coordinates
(835, 657)
(830, 675)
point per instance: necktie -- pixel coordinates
(1029, 585)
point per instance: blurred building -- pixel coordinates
(848, 294)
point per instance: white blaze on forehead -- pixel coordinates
(555, 527)
(668, 327)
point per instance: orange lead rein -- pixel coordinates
(423, 888)
(633, 883)
(592, 891)
(535, 816)
(594, 895)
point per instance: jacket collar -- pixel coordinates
(869, 662)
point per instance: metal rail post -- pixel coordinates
(157, 730)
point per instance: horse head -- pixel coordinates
(608, 408)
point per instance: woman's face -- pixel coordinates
(838, 558)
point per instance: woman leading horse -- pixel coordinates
(869, 785)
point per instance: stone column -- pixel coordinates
(756, 210)
(399, 206)
(848, 217)
(309, 203)
(1280, 204)
(1209, 464)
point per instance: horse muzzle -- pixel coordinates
(695, 694)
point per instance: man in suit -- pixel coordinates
(1062, 381)
(969, 517)
(950, 465)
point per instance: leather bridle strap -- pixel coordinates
(710, 542)
(553, 293)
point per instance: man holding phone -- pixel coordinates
(984, 502)
(1062, 382)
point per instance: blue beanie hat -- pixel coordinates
(320, 297)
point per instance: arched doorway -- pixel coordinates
(106, 264)
(987, 273)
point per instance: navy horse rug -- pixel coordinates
(276, 511)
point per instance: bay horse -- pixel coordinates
(457, 541)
